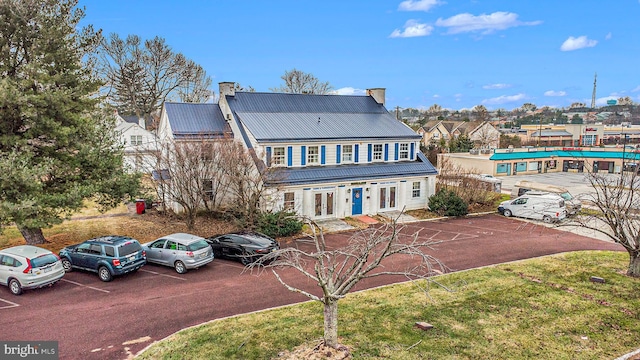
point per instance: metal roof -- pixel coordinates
(354, 172)
(566, 154)
(303, 103)
(266, 126)
(299, 117)
(196, 119)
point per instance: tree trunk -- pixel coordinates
(331, 324)
(32, 236)
(634, 264)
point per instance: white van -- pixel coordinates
(537, 205)
(523, 186)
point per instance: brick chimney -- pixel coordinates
(377, 94)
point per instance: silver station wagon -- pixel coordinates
(180, 251)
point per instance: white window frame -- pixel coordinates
(347, 156)
(416, 190)
(289, 204)
(313, 155)
(136, 140)
(403, 151)
(377, 152)
(278, 157)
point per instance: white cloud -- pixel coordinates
(496, 86)
(577, 43)
(436, 96)
(603, 100)
(555, 93)
(504, 99)
(637, 88)
(418, 5)
(486, 24)
(608, 37)
(412, 28)
(348, 91)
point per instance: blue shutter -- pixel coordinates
(369, 152)
(356, 153)
(268, 155)
(290, 156)
(395, 156)
(303, 155)
(338, 155)
(386, 152)
(413, 147)
(322, 154)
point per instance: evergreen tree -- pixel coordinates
(56, 149)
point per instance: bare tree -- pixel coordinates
(188, 173)
(216, 176)
(486, 136)
(298, 82)
(480, 112)
(141, 75)
(238, 87)
(337, 271)
(613, 209)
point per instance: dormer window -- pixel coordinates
(404, 151)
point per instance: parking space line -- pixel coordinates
(87, 286)
(11, 304)
(157, 273)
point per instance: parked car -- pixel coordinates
(108, 256)
(537, 205)
(29, 267)
(245, 246)
(181, 251)
(523, 186)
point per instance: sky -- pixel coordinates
(456, 53)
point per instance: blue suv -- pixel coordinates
(107, 255)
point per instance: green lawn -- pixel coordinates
(544, 308)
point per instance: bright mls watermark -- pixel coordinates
(32, 350)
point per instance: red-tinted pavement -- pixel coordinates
(96, 320)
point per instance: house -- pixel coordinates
(325, 156)
(482, 133)
(335, 155)
(140, 145)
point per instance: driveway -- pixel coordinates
(95, 320)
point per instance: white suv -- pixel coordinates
(29, 267)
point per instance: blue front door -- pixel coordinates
(356, 201)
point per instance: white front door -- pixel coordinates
(387, 198)
(324, 203)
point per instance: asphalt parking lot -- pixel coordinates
(95, 320)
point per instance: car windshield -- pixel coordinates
(43, 260)
(566, 196)
(129, 248)
(200, 244)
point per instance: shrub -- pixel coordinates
(447, 203)
(278, 224)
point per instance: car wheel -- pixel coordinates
(507, 212)
(15, 287)
(546, 219)
(104, 274)
(245, 260)
(66, 264)
(180, 268)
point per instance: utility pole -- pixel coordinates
(593, 96)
